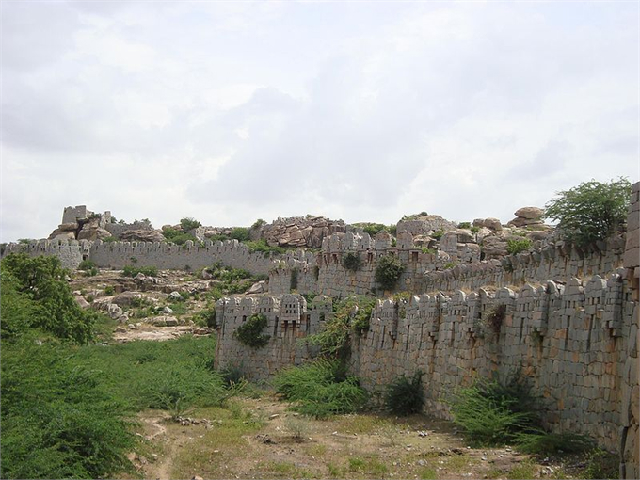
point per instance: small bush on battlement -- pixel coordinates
(516, 246)
(351, 261)
(133, 270)
(405, 395)
(250, 333)
(262, 246)
(388, 271)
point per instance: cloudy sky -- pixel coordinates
(231, 111)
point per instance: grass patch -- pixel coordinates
(370, 466)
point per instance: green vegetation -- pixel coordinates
(257, 224)
(373, 228)
(262, 246)
(405, 395)
(178, 237)
(221, 272)
(250, 332)
(133, 270)
(351, 315)
(494, 413)
(189, 223)
(89, 267)
(437, 235)
(430, 251)
(351, 261)
(515, 246)
(240, 233)
(320, 389)
(591, 211)
(388, 271)
(109, 290)
(465, 225)
(35, 295)
(109, 239)
(293, 283)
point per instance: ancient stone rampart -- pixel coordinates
(70, 252)
(289, 318)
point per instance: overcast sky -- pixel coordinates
(231, 111)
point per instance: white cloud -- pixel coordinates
(232, 111)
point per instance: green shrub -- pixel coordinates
(133, 270)
(250, 333)
(542, 443)
(257, 224)
(591, 211)
(464, 225)
(388, 271)
(293, 283)
(36, 295)
(86, 265)
(227, 274)
(109, 239)
(351, 261)
(437, 235)
(240, 233)
(493, 413)
(207, 317)
(516, 246)
(405, 395)
(262, 246)
(189, 223)
(430, 251)
(350, 314)
(372, 228)
(320, 389)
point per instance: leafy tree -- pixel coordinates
(250, 333)
(591, 211)
(35, 294)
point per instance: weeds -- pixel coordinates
(405, 395)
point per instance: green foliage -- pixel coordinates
(262, 246)
(372, 228)
(320, 389)
(26, 241)
(59, 418)
(515, 246)
(207, 317)
(601, 464)
(178, 237)
(250, 332)
(189, 223)
(352, 314)
(388, 271)
(35, 295)
(430, 251)
(542, 443)
(591, 211)
(475, 229)
(465, 225)
(448, 265)
(86, 265)
(227, 274)
(493, 413)
(351, 261)
(405, 395)
(132, 271)
(240, 233)
(109, 239)
(257, 224)
(495, 318)
(293, 283)
(437, 235)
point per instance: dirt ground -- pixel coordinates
(266, 440)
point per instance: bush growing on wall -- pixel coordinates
(515, 246)
(250, 333)
(591, 211)
(351, 261)
(388, 271)
(405, 395)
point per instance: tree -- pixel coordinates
(388, 271)
(189, 223)
(591, 211)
